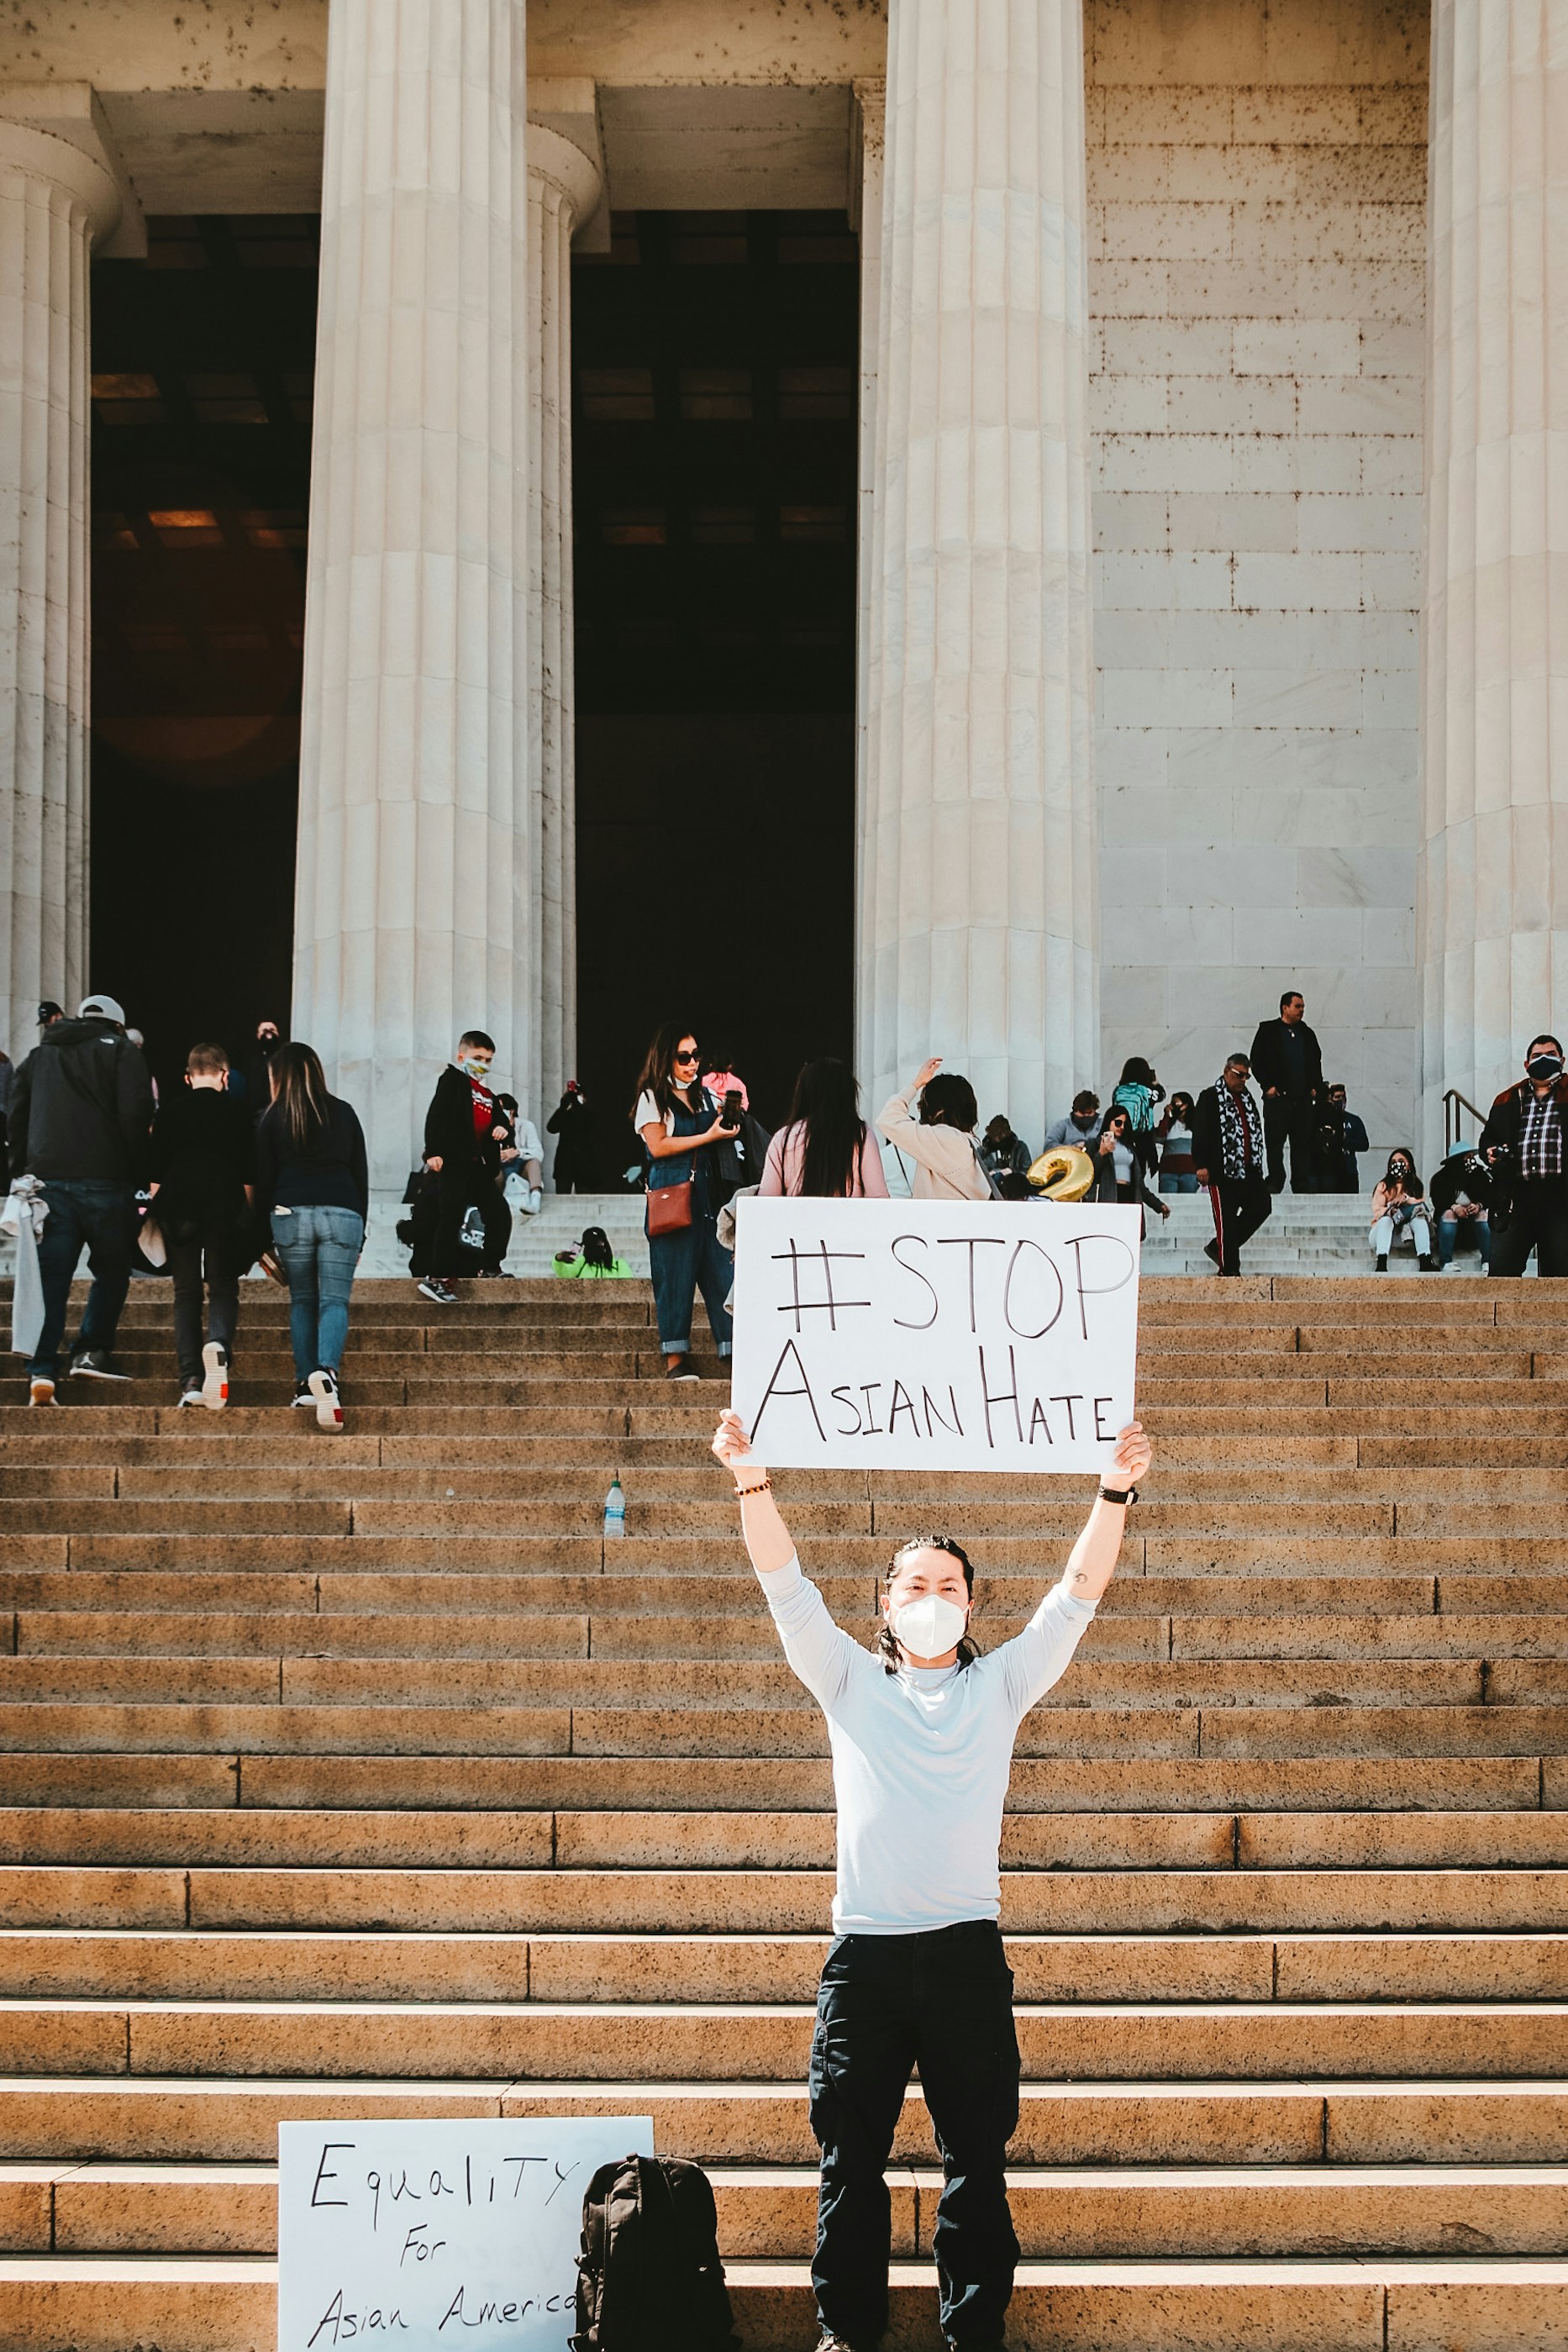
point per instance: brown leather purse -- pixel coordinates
(670, 1208)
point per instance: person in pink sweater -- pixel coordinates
(824, 1149)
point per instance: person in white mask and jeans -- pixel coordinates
(921, 1729)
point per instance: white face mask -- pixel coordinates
(479, 1070)
(929, 1627)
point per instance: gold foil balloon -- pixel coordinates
(1063, 1173)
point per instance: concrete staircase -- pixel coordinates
(355, 1776)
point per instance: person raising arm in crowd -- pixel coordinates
(940, 1139)
(921, 1730)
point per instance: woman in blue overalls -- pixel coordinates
(678, 1122)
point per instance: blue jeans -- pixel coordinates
(1448, 1234)
(1179, 1183)
(679, 1264)
(85, 1212)
(320, 1249)
(943, 1999)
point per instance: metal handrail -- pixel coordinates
(1454, 1102)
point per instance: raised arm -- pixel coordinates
(768, 1544)
(1092, 1562)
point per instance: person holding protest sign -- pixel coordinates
(941, 1139)
(921, 1729)
(679, 1122)
(824, 1149)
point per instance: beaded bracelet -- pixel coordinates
(763, 1486)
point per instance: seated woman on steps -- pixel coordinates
(921, 1730)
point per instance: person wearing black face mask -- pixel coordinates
(1525, 1140)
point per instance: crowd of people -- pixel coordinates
(265, 1166)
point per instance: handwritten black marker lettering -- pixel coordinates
(1054, 1273)
(979, 1241)
(440, 2187)
(1070, 1401)
(469, 2179)
(955, 1426)
(774, 1389)
(903, 1321)
(562, 2179)
(827, 1304)
(372, 2182)
(1099, 1289)
(1039, 1414)
(903, 1403)
(416, 2243)
(400, 2189)
(842, 1396)
(870, 1429)
(1001, 1396)
(1106, 1436)
(329, 2147)
(522, 2162)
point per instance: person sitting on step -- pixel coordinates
(1399, 1200)
(921, 1730)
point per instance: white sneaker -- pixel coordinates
(214, 1387)
(329, 1409)
(532, 1201)
(191, 1395)
(42, 1391)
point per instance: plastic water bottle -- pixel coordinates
(615, 1510)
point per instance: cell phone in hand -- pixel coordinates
(731, 1113)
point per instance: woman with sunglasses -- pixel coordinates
(678, 1122)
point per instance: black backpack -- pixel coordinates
(649, 2277)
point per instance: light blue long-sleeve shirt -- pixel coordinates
(920, 1758)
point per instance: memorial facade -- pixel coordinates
(1056, 505)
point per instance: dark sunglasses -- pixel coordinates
(693, 1057)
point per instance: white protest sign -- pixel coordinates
(425, 2234)
(935, 1335)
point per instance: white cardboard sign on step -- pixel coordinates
(425, 2234)
(935, 1335)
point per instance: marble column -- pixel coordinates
(1493, 898)
(54, 201)
(977, 900)
(562, 192)
(412, 899)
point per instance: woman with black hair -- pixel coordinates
(940, 1139)
(1118, 1171)
(311, 1179)
(679, 1122)
(825, 1149)
(921, 1730)
(1399, 1199)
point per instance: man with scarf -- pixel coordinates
(1525, 1140)
(1229, 1153)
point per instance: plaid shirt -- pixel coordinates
(1541, 1137)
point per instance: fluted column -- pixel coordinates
(562, 190)
(977, 876)
(1494, 882)
(54, 201)
(412, 899)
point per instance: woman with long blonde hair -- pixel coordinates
(313, 1182)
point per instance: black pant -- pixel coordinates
(1288, 1118)
(457, 1190)
(218, 1249)
(942, 1999)
(497, 1227)
(1539, 1221)
(1240, 1204)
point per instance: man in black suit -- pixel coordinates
(1288, 1065)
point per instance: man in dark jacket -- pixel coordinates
(82, 1114)
(572, 1124)
(1228, 1153)
(1460, 1193)
(1525, 1140)
(1287, 1063)
(463, 1153)
(1341, 1138)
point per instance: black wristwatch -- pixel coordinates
(1118, 1495)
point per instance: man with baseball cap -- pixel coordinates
(81, 1113)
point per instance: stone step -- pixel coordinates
(267, 1964)
(735, 1633)
(755, 2042)
(252, 1837)
(1415, 2121)
(200, 2303)
(768, 1901)
(1060, 1786)
(769, 2213)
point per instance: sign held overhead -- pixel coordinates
(935, 1335)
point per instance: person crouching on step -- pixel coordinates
(921, 1729)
